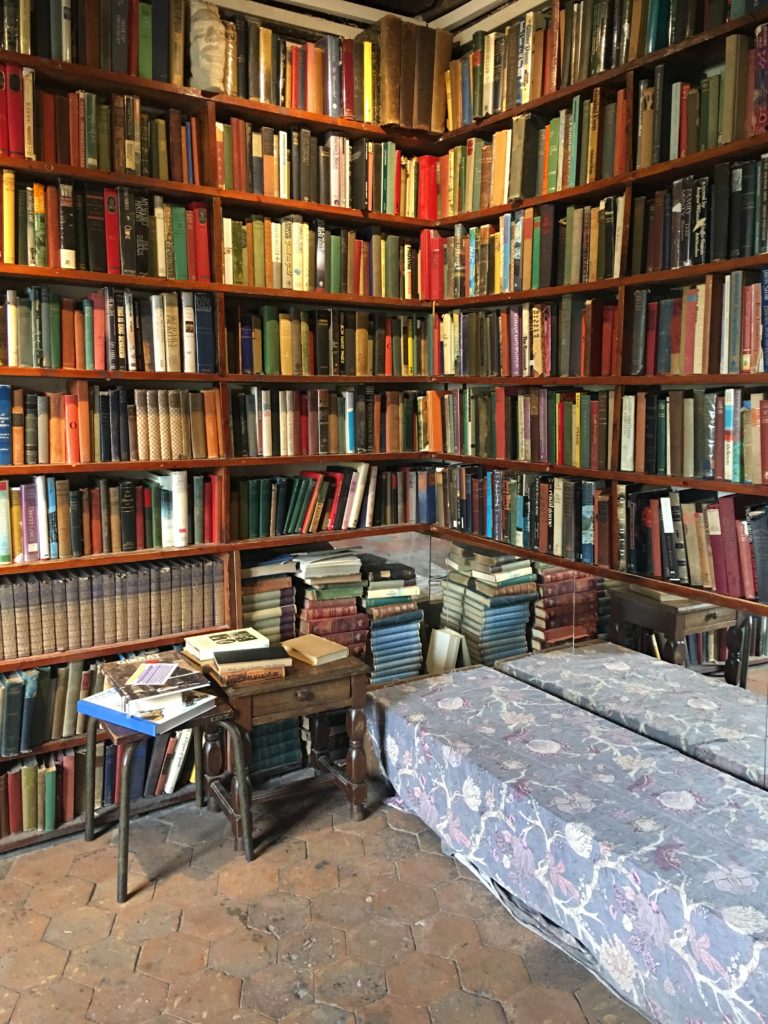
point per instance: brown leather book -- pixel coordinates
(424, 78)
(68, 347)
(62, 519)
(443, 47)
(211, 432)
(197, 422)
(408, 36)
(390, 31)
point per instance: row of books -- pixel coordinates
(118, 424)
(37, 794)
(269, 595)
(54, 518)
(567, 607)
(299, 255)
(719, 544)
(702, 434)
(394, 642)
(39, 705)
(532, 248)
(328, 585)
(105, 230)
(63, 611)
(82, 129)
(110, 329)
(334, 170)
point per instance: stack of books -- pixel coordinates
(390, 599)
(566, 608)
(338, 740)
(237, 657)
(329, 584)
(275, 748)
(269, 597)
(487, 597)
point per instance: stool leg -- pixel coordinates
(244, 787)
(90, 778)
(124, 814)
(197, 742)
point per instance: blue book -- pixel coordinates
(246, 345)
(205, 335)
(138, 770)
(107, 707)
(5, 424)
(53, 523)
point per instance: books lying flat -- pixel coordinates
(107, 707)
(148, 684)
(315, 650)
(203, 647)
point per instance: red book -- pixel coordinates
(730, 539)
(608, 340)
(652, 513)
(318, 478)
(112, 231)
(133, 37)
(304, 448)
(594, 434)
(52, 225)
(15, 107)
(354, 286)
(348, 77)
(73, 109)
(97, 545)
(68, 785)
(14, 800)
(4, 113)
(714, 536)
(746, 561)
(72, 428)
(190, 238)
(336, 480)
(99, 346)
(207, 510)
(719, 467)
(202, 241)
(48, 112)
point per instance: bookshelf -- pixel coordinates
(690, 56)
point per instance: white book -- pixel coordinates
(627, 463)
(159, 216)
(12, 326)
(28, 101)
(297, 251)
(188, 332)
(183, 739)
(172, 332)
(362, 470)
(229, 272)
(725, 324)
(41, 490)
(130, 331)
(158, 332)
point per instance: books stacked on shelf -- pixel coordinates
(332, 341)
(92, 424)
(567, 428)
(566, 608)
(702, 434)
(335, 171)
(269, 596)
(313, 649)
(48, 612)
(573, 337)
(110, 329)
(391, 593)
(55, 518)
(118, 133)
(328, 585)
(338, 740)
(238, 658)
(148, 696)
(275, 748)
(299, 255)
(531, 248)
(105, 230)
(268, 421)
(487, 598)
(719, 543)
(604, 620)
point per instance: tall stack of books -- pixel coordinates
(329, 585)
(275, 748)
(390, 598)
(487, 598)
(566, 608)
(269, 597)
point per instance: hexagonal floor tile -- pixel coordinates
(51, 863)
(242, 953)
(334, 847)
(211, 919)
(465, 896)
(547, 966)
(8, 1000)
(167, 956)
(187, 886)
(242, 881)
(430, 842)
(537, 1005)
(201, 997)
(309, 877)
(62, 1000)
(54, 897)
(495, 973)
(350, 983)
(426, 869)
(342, 907)
(422, 979)
(446, 935)
(391, 845)
(403, 821)
(13, 893)
(79, 927)
(405, 902)
(140, 890)
(318, 1013)
(277, 990)
(142, 921)
(600, 1006)
(35, 964)
(133, 999)
(367, 875)
(499, 928)
(381, 940)
(313, 946)
(95, 964)
(467, 1008)
(20, 926)
(392, 1011)
(279, 913)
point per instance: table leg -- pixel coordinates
(356, 762)
(90, 778)
(673, 652)
(213, 760)
(243, 787)
(124, 814)
(197, 745)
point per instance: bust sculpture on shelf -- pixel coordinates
(206, 46)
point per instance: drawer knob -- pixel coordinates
(304, 695)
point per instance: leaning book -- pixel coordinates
(107, 707)
(146, 685)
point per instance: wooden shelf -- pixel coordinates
(321, 298)
(113, 558)
(105, 815)
(138, 376)
(336, 214)
(300, 539)
(51, 746)
(256, 462)
(608, 284)
(49, 468)
(90, 279)
(596, 380)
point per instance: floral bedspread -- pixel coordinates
(651, 864)
(706, 718)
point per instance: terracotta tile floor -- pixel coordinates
(334, 923)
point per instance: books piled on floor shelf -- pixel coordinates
(390, 598)
(237, 657)
(275, 747)
(269, 597)
(487, 598)
(338, 741)
(329, 584)
(566, 608)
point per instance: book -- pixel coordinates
(315, 650)
(107, 707)
(204, 647)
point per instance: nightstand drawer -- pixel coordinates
(298, 700)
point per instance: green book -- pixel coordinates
(145, 40)
(238, 248)
(198, 503)
(265, 505)
(554, 151)
(573, 149)
(252, 525)
(104, 137)
(536, 251)
(568, 433)
(334, 590)
(259, 267)
(270, 333)
(229, 178)
(334, 261)
(54, 306)
(392, 258)
(88, 333)
(179, 227)
(49, 823)
(583, 140)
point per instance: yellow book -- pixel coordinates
(368, 81)
(17, 546)
(449, 99)
(9, 217)
(575, 454)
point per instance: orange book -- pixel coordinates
(17, 427)
(544, 162)
(211, 430)
(56, 430)
(68, 357)
(79, 389)
(435, 421)
(72, 436)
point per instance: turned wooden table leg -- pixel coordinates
(356, 762)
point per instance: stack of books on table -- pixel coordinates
(390, 598)
(329, 584)
(566, 608)
(487, 597)
(237, 657)
(269, 597)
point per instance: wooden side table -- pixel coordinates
(305, 690)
